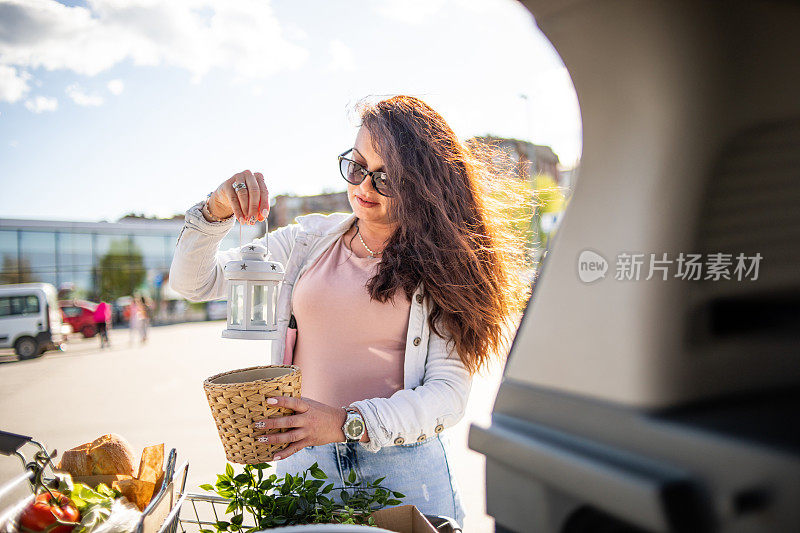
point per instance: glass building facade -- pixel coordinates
(78, 253)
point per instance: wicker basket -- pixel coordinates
(239, 398)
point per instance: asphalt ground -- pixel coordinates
(152, 393)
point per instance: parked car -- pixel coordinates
(80, 315)
(30, 320)
(631, 404)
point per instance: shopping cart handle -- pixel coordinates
(10, 443)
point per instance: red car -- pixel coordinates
(80, 315)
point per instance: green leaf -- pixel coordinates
(344, 495)
(398, 494)
(231, 507)
(207, 487)
(242, 479)
(262, 466)
(328, 488)
(237, 519)
(352, 477)
(223, 526)
(229, 470)
(378, 481)
(317, 472)
(393, 502)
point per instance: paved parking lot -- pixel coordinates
(153, 393)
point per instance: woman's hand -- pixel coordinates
(249, 204)
(313, 424)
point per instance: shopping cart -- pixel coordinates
(172, 510)
(201, 511)
(161, 515)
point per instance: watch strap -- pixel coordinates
(351, 411)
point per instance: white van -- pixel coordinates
(30, 320)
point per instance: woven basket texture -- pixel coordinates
(239, 398)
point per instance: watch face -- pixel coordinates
(355, 428)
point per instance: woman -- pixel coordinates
(395, 306)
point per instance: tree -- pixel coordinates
(16, 272)
(120, 271)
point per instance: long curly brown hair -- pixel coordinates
(452, 234)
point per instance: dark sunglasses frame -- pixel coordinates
(363, 171)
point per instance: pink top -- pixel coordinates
(348, 347)
(102, 313)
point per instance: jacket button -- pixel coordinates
(439, 428)
(417, 340)
(419, 298)
(421, 438)
(399, 440)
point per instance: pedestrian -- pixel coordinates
(137, 322)
(102, 321)
(395, 306)
(146, 311)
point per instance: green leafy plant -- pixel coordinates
(269, 501)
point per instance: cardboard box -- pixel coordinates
(403, 519)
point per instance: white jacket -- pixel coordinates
(436, 381)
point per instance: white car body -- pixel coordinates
(30, 319)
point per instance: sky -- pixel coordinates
(115, 106)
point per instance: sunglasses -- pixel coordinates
(355, 173)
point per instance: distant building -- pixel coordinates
(531, 158)
(287, 208)
(71, 253)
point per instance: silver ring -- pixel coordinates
(239, 186)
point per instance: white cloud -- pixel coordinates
(341, 56)
(79, 96)
(13, 144)
(196, 35)
(13, 85)
(410, 11)
(116, 87)
(40, 104)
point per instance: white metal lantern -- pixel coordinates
(252, 294)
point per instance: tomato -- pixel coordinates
(45, 509)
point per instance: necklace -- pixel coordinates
(371, 253)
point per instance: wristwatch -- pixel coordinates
(354, 426)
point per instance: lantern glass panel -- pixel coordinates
(237, 305)
(259, 305)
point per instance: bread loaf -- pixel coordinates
(112, 454)
(76, 461)
(137, 492)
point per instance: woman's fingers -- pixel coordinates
(293, 421)
(242, 194)
(253, 197)
(292, 449)
(264, 201)
(298, 405)
(281, 438)
(233, 200)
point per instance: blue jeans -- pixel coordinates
(419, 470)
